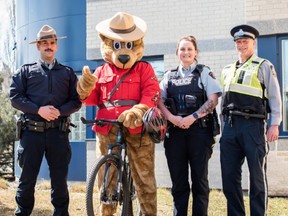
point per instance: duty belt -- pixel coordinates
(40, 126)
(246, 115)
(117, 103)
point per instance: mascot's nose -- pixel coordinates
(123, 58)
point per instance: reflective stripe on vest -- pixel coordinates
(245, 79)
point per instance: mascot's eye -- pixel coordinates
(117, 45)
(129, 45)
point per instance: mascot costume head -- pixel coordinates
(122, 39)
(124, 88)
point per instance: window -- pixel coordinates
(157, 64)
(275, 49)
(284, 46)
(78, 133)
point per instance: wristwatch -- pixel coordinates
(195, 115)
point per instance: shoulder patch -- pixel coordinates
(211, 74)
(273, 70)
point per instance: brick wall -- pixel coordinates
(209, 21)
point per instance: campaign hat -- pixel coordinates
(46, 32)
(122, 27)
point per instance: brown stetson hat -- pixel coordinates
(122, 27)
(46, 32)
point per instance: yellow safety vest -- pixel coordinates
(242, 87)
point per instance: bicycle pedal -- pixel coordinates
(110, 202)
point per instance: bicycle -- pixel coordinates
(123, 194)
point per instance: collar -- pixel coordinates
(49, 66)
(238, 64)
(187, 71)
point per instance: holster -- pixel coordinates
(20, 124)
(65, 124)
(204, 122)
(215, 123)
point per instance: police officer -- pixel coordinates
(251, 93)
(189, 94)
(45, 91)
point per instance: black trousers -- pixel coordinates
(183, 148)
(244, 138)
(54, 144)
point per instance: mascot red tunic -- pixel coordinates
(122, 48)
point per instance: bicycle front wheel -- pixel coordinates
(101, 194)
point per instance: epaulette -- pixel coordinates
(199, 67)
(67, 67)
(29, 64)
(228, 66)
(173, 70)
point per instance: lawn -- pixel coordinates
(43, 207)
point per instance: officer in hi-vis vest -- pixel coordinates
(251, 96)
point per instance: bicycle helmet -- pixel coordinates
(155, 124)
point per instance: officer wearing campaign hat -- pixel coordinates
(45, 93)
(250, 91)
(46, 32)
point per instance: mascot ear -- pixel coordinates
(102, 37)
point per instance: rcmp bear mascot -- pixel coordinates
(122, 48)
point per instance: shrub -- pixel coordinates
(7, 122)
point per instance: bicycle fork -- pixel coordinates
(114, 196)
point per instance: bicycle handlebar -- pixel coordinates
(101, 122)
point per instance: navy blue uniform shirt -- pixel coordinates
(33, 87)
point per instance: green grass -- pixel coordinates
(43, 207)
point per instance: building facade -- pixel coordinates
(167, 20)
(210, 22)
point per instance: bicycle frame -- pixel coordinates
(125, 191)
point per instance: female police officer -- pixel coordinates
(189, 94)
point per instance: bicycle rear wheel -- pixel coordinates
(94, 192)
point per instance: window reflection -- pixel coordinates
(158, 65)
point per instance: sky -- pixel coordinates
(4, 17)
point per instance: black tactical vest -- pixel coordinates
(185, 92)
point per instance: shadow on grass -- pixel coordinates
(5, 211)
